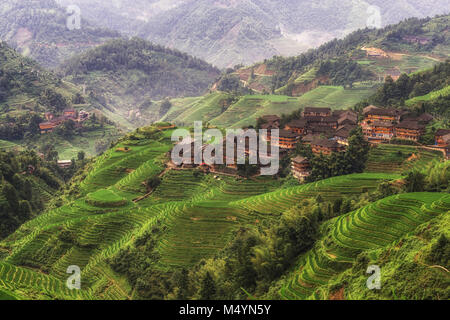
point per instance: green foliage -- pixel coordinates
(344, 73)
(25, 183)
(353, 160)
(419, 84)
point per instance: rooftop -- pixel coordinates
(288, 134)
(271, 118)
(413, 125)
(300, 159)
(326, 143)
(442, 132)
(317, 110)
(300, 123)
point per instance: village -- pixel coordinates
(327, 131)
(53, 121)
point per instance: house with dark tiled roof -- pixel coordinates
(326, 147)
(273, 120)
(309, 138)
(300, 168)
(342, 134)
(442, 137)
(377, 131)
(298, 126)
(318, 121)
(287, 139)
(347, 117)
(409, 130)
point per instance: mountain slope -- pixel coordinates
(230, 32)
(126, 75)
(28, 91)
(39, 29)
(189, 217)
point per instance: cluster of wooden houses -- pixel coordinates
(53, 121)
(381, 124)
(325, 130)
(328, 131)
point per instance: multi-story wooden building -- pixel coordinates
(409, 130)
(380, 114)
(347, 118)
(298, 126)
(342, 134)
(441, 137)
(378, 131)
(326, 147)
(300, 168)
(318, 121)
(287, 139)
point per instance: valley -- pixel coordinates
(359, 117)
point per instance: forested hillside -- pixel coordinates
(429, 88)
(28, 183)
(27, 92)
(128, 75)
(363, 56)
(39, 29)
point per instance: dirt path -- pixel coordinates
(148, 194)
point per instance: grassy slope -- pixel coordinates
(248, 108)
(396, 158)
(430, 96)
(369, 230)
(200, 214)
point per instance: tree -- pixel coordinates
(78, 99)
(357, 153)
(415, 182)
(81, 155)
(153, 183)
(207, 288)
(181, 280)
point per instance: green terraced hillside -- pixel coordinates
(219, 109)
(398, 158)
(372, 227)
(199, 214)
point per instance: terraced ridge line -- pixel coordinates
(279, 201)
(41, 285)
(374, 226)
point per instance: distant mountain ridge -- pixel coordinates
(231, 32)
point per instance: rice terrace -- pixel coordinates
(267, 152)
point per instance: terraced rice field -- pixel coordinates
(199, 214)
(397, 158)
(279, 201)
(374, 226)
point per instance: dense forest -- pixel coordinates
(344, 73)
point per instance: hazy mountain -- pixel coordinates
(39, 29)
(230, 32)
